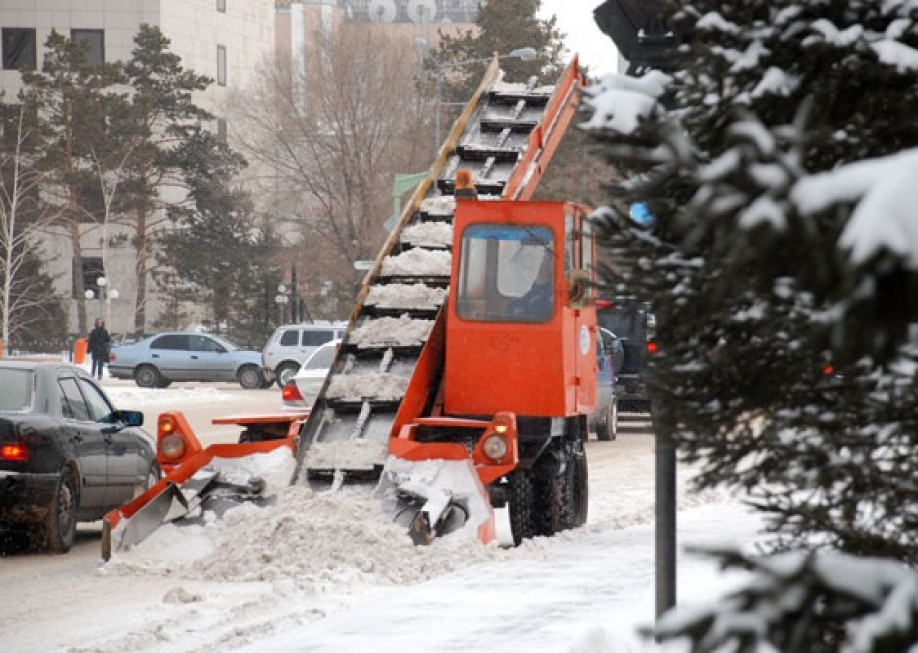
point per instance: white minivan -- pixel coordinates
(291, 344)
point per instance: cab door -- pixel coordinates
(578, 268)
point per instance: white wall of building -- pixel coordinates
(195, 28)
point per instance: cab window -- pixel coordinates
(506, 273)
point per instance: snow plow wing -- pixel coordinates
(192, 481)
(436, 488)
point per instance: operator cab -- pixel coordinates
(521, 309)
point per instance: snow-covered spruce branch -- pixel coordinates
(804, 601)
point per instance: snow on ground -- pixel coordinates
(329, 571)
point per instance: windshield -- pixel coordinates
(322, 359)
(17, 390)
(506, 273)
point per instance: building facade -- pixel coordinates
(222, 39)
(227, 40)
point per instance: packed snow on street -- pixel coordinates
(329, 571)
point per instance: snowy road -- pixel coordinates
(328, 573)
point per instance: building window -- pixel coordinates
(221, 65)
(221, 6)
(92, 269)
(19, 48)
(95, 40)
(221, 129)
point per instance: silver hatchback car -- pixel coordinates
(291, 344)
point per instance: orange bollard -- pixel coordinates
(79, 350)
(2, 350)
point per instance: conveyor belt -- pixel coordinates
(505, 137)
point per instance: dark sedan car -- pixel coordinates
(157, 361)
(66, 454)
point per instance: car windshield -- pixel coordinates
(17, 389)
(322, 359)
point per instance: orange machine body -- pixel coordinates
(501, 356)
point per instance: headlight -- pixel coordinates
(172, 447)
(494, 446)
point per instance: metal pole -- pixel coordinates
(665, 512)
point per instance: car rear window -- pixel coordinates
(173, 341)
(17, 389)
(313, 338)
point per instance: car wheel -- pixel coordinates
(604, 428)
(146, 376)
(59, 528)
(163, 382)
(250, 377)
(285, 372)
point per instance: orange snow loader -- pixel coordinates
(506, 387)
(467, 371)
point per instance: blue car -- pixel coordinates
(164, 358)
(610, 353)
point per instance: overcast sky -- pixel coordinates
(575, 18)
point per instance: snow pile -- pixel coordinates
(443, 206)
(404, 295)
(129, 396)
(418, 262)
(429, 234)
(355, 453)
(383, 386)
(275, 468)
(400, 331)
(320, 541)
(501, 86)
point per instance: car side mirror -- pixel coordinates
(129, 417)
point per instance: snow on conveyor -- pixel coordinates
(405, 296)
(419, 263)
(391, 332)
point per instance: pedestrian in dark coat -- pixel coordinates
(99, 345)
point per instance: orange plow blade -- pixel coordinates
(437, 497)
(184, 490)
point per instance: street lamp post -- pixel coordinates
(524, 54)
(281, 300)
(106, 297)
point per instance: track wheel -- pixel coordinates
(579, 482)
(554, 502)
(59, 527)
(521, 505)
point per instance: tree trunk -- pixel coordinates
(78, 288)
(140, 271)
